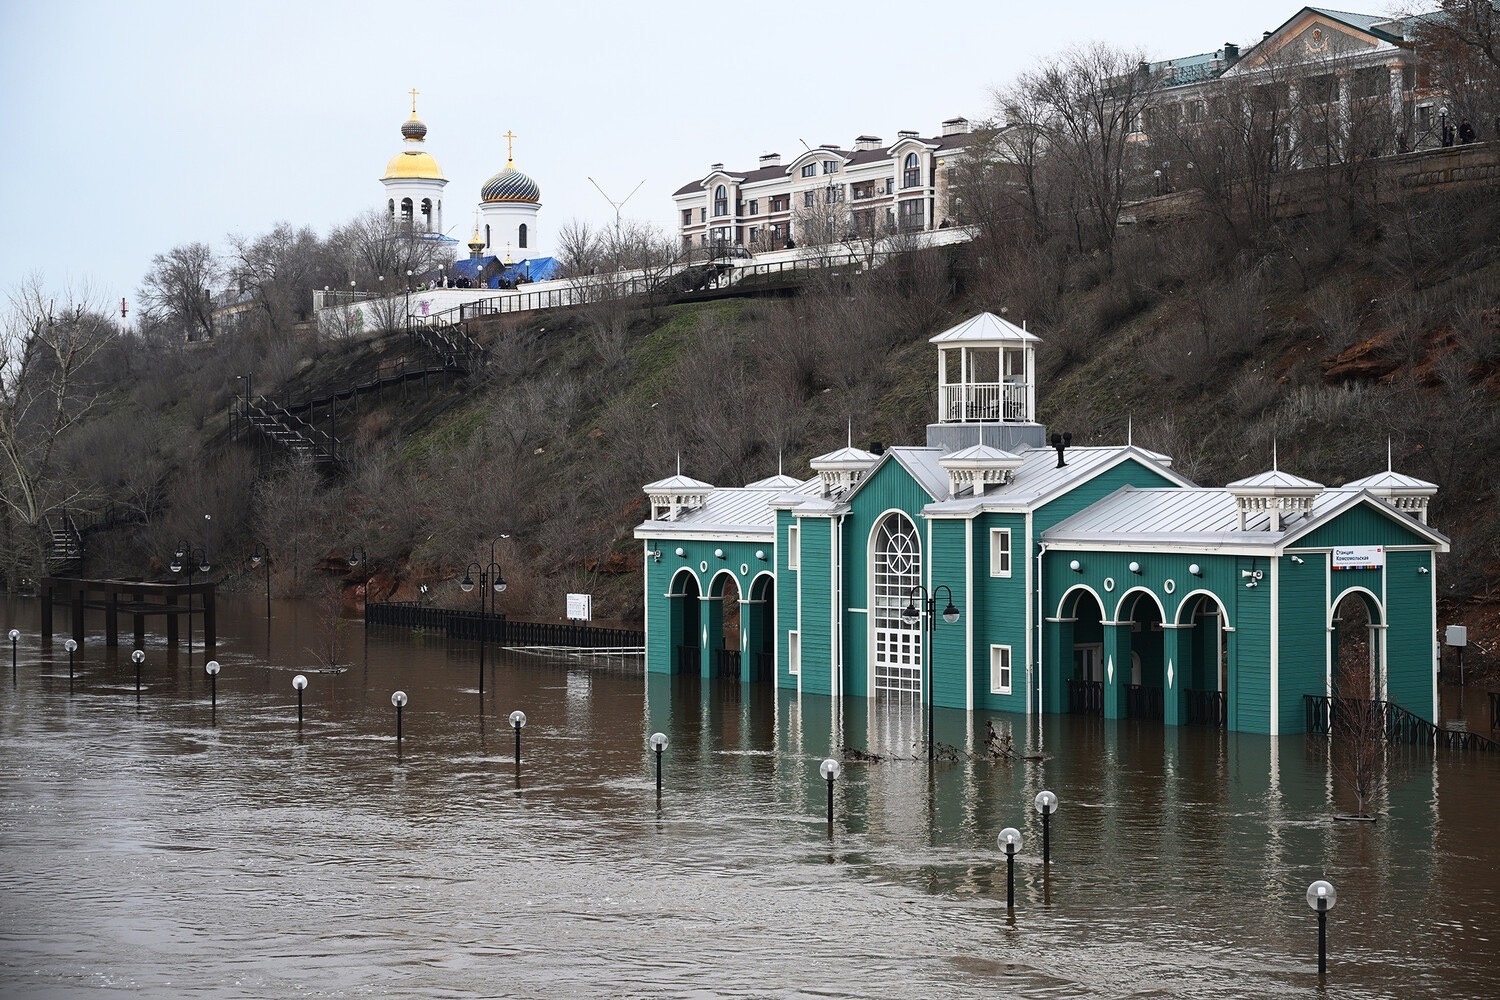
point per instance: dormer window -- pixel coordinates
(830, 166)
(809, 170)
(911, 173)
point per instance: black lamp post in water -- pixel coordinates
(658, 743)
(138, 657)
(399, 700)
(830, 769)
(212, 669)
(911, 615)
(1046, 804)
(300, 683)
(260, 556)
(72, 647)
(185, 559)
(1321, 896)
(518, 722)
(1010, 843)
(15, 634)
(491, 582)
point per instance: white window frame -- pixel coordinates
(794, 652)
(794, 547)
(1002, 670)
(1000, 554)
(809, 170)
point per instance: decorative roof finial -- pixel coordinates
(679, 463)
(851, 432)
(510, 151)
(1274, 467)
(414, 92)
(1129, 430)
(1388, 467)
(779, 454)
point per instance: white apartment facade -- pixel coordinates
(826, 193)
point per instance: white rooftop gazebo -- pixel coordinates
(986, 379)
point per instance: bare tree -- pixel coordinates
(46, 387)
(1087, 102)
(1357, 723)
(1460, 45)
(178, 290)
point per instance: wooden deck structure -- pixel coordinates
(135, 598)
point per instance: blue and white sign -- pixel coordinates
(1359, 557)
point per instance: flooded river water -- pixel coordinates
(148, 846)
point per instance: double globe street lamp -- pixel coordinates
(911, 615)
(184, 559)
(491, 583)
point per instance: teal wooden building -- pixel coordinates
(996, 569)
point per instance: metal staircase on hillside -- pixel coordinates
(450, 342)
(65, 557)
(282, 427)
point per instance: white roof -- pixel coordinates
(844, 458)
(677, 484)
(1038, 479)
(1204, 518)
(732, 510)
(1274, 480)
(980, 455)
(1392, 482)
(780, 481)
(986, 328)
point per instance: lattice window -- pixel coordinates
(897, 569)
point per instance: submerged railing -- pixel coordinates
(456, 624)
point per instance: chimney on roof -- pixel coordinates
(1144, 69)
(1264, 35)
(1231, 54)
(876, 448)
(955, 126)
(716, 166)
(770, 159)
(866, 142)
(907, 133)
(829, 145)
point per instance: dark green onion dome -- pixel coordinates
(511, 185)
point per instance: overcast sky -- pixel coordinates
(137, 126)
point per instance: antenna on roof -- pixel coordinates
(617, 204)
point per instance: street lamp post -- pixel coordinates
(184, 559)
(71, 646)
(491, 582)
(911, 615)
(658, 743)
(15, 634)
(407, 321)
(830, 769)
(300, 683)
(399, 700)
(518, 722)
(138, 657)
(1321, 896)
(212, 669)
(1046, 804)
(260, 556)
(1010, 843)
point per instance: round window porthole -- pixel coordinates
(703, 566)
(744, 569)
(1170, 586)
(1109, 583)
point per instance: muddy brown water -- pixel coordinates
(146, 847)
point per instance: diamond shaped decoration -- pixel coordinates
(1169, 673)
(1109, 669)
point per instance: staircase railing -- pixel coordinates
(1396, 724)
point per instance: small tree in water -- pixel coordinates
(328, 645)
(1357, 722)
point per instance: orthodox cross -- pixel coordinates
(510, 151)
(413, 93)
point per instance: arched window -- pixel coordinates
(721, 201)
(897, 556)
(406, 210)
(390, 206)
(911, 172)
(521, 236)
(427, 213)
(486, 235)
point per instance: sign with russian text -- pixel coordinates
(1359, 557)
(580, 607)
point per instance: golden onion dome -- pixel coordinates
(413, 164)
